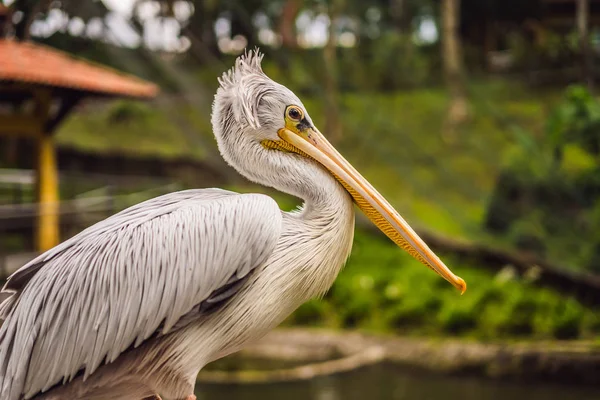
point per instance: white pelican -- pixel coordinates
(134, 306)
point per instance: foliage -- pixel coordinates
(383, 289)
(131, 127)
(575, 121)
(433, 183)
(547, 198)
(387, 71)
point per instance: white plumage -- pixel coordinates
(137, 304)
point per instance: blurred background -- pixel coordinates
(477, 119)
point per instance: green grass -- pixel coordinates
(436, 180)
(396, 140)
(383, 289)
(135, 128)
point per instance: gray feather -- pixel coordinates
(112, 286)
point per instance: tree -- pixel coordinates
(400, 14)
(452, 61)
(332, 124)
(30, 9)
(287, 23)
(583, 7)
(200, 31)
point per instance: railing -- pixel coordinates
(75, 215)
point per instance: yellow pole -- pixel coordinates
(47, 234)
(48, 225)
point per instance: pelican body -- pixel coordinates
(134, 306)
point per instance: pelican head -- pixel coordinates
(264, 131)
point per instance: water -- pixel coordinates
(385, 382)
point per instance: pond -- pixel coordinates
(388, 382)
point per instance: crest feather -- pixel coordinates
(243, 86)
(247, 64)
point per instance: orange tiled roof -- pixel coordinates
(35, 63)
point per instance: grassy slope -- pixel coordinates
(436, 179)
(383, 289)
(137, 128)
(442, 182)
(395, 140)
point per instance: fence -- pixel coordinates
(19, 218)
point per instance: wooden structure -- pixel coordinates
(39, 87)
(561, 14)
(485, 26)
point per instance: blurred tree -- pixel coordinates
(584, 41)
(453, 64)
(241, 14)
(5, 20)
(286, 28)
(30, 10)
(400, 13)
(287, 23)
(547, 200)
(487, 25)
(200, 30)
(575, 120)
(332, 124)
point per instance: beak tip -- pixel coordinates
(461, 285)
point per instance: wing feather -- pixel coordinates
(118, 282)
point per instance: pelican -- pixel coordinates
(135, 305)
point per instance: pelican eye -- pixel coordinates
(294, 113)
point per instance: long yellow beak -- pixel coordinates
(310, 142)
